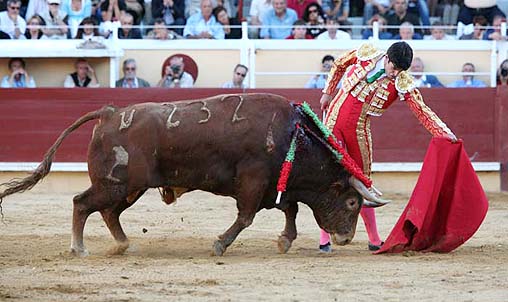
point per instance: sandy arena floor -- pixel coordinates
(171, 261)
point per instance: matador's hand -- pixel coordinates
(325, 101)
(452, 138)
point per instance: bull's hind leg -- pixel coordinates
(81, 210)
(289, 234)
(111, 217)
(250, 193)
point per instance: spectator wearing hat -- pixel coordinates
(56, 21)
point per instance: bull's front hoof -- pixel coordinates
(79, 252)
(218, 248)
(283, 244)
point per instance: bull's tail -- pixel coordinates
(21, 185)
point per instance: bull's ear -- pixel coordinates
(339, 187)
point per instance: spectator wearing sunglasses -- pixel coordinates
(239, 74)
(130, 80)
(11, 22)
(315, 19)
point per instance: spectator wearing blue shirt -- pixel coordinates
(467, 79)
(203, 25)
(495, 33)
(423, 80)
(278, 21)
(319, 80)
(19, 77)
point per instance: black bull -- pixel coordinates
(231, 145)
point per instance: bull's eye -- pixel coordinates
(352, 203)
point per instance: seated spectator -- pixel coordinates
(161, 32)
(203, 25)
(373, 7)
(299, 31)
(257, 9)
(495, 33)
(34, 29)
(315, 19)
(468, 79)
(423, 80)
(407, 32)
(84, 76)
(383, 33)
(239, 74)
(77, 11)
(126, 31)
(88, 30)
(278, 21)
(502, 74)
(231, 26)
(11, 22)
(399, 15)
(56, 21)
(171, 11)
(175, 75)
(130, 80)
(333, 32)
(319, 80)
(299, 6)
(437, 32)
(19, 77)
(472, 8)
(480, 22)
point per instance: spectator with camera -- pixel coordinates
(319, 80)
(502, 74)
(84, 76)
(19, 77)
(175, 75)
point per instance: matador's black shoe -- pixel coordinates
(373, 247)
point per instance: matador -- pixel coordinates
(370, 81)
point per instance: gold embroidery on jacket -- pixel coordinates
(364, 139)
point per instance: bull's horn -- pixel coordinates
(371, 200)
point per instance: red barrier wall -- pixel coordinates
(31, 119)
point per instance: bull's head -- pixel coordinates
(336, 209)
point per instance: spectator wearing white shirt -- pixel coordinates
(333, 32)
(84, 76)
(203, 25)
(11, 22)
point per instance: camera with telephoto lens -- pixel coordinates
(175, 69)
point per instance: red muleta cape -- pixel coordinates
(447, 206)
